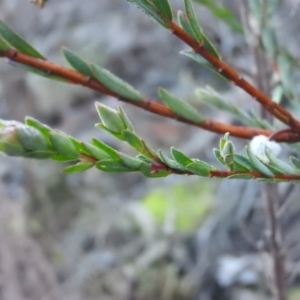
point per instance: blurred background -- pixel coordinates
(123, 237)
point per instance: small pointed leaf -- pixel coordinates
(13, 39)
(126, 120)
(78, 168)
(180, 158)
(130, 162)
(170, 162)
(164, 8)
(241, 163)
(179, 107)
(63, 144)
(258, 165)
(203, 62)
(107, 149)
(110, 118)
(31, 138)
(77, 63)
(190, 12)
(184, 23)
(222, 13)
(95, 151)
(113, 166)
(219, 157)
(151, 10)
(146, 170)
(295, 162)
(44, 129)
(200, 168)
(240, 176)
(40, 154)
(133, 140)
(282, 166)
(227, 149)
(4, 46)
(115, 84)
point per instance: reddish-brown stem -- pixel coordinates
(147, 104)
(275, 109)
(225, 174)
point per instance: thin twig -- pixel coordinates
(271, 200)
(275, 109)
(147, 104)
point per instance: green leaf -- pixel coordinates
(4, 46)
(40, 154)
(107, 149)
(164, 8)
(95, 151)
(218, 156)
(63, 144)
(31, 138)
(113, 166)
(77, 63)
(115, 84)
(241, 176)
(222, 13)
(126, 120)
(223, 141)
(180, 158)
(170, 162)
(257, 164)
(190, 24)
(179, 107)
(227, 149)
(190, 12)
(11, 149)
(44, 129)
(117, 135)
(295, 162)
(282, 166)
(110, 118)
(146, 170)
(78, 168)
(64, 158)
(202, 61)
(144, 159)
(134, 141)
(130, 162)
(241, 163)
(271, 180)
(151, 10)
(184, 23)
(200, 168)
(13, 39)
(39, 72)
(273, 169)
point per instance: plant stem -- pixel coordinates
(147, 104)
(271, 201)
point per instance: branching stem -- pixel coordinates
(275, 109)
(147, 104)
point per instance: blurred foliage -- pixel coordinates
(223, 14)
(182, 206)
(294, 293)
